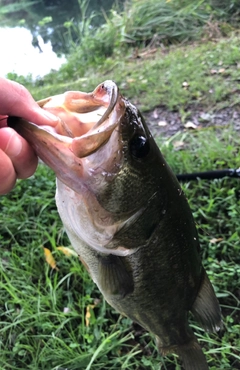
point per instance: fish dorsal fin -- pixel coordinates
(206, 308)
(114, 278)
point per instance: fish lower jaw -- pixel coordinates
(119, 251)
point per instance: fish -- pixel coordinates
(127, 216)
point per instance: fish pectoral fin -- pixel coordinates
(114, 278)
(206, 308)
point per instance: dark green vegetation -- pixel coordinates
(211, 70)
(132, 22)
(52, 18)
(43, 311)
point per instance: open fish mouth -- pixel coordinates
(87, 121)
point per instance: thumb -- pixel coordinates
(39, 116)
(16, 100)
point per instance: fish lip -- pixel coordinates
(61, 152)
(54, 149)
(112, 90)
(89, 142)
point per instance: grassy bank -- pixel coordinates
(202, 74)
(56, 319)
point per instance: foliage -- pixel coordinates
(31, 14)
(168, 22)
(228, 7)
(91, 26)
(114, 50)
(155, 23)
(43, 312)
(210, 70)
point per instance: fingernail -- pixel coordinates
(50, 116)
(14, 146)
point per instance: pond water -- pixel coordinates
(19, 56)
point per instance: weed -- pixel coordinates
(178, 78)
(43, 312)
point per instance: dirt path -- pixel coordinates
(164, 122)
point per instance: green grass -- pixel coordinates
(211, 70)
(42, 317)
(210, 66)
(42, 311)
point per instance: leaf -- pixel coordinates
(130, 80)
(206, 117)
(50, 259)
(155, 114)
(67, 251)
(178, 144)
(88, 313)
(221, 70)
(215, 240)
(66, 310)
(213, 71)
(190, 125)
(185, 85)
(162, 123)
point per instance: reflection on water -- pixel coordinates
(19, 56)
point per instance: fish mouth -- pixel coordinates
(86, 122)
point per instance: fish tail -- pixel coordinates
(190, 353)
(192, 356)
(206, 308)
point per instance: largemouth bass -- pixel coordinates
(127, 216)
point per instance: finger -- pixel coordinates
(7, 174)
(23, 158)
(19, 102)
(3, 121)
(39, 116)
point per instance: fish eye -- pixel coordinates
(139, 147)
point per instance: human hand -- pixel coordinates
(17, 158)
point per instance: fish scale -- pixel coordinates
(127, 217)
